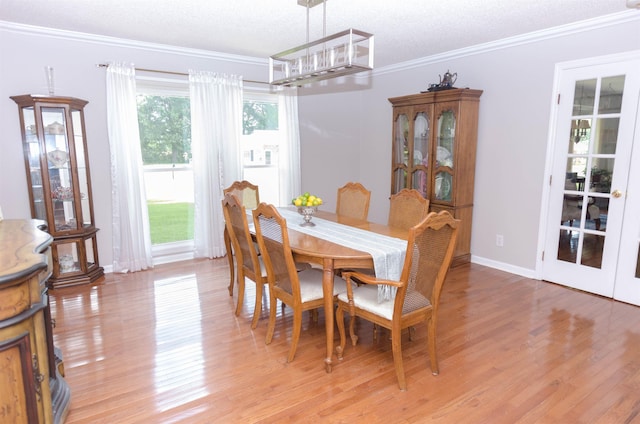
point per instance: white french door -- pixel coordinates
(593, 221)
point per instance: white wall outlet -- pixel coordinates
(499, 240)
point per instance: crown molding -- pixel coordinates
(531, 37)
(121, 42)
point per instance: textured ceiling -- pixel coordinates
(404, 29)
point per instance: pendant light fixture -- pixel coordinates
(346, 52)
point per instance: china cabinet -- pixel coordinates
(57, 168)
(32, 385)
(434, 151)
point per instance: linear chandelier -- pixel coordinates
(346, 52)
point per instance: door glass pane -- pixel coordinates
(592, 250)
(401, 154)
(88, 244)
(421, 131)
(399, 178)
(606, 136)
(611, 94)
(68, 259)
(601, 171)
(446, 136)
(576, 173)
(35, 171)
(60, 176)
(420, 181)
(584, 97)
(83, 181)
(443, 185)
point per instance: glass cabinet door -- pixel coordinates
(420, 154)
(82, 169)
(56, 150)
(32, 155)
(444, 155)
(400, 152)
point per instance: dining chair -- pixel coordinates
(430, 248)
(249, 264)
(353, 201)
(407, 208)
(300, 290)
(249, 197)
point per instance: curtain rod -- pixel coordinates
(106, 65)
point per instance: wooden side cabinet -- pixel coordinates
(57, 166)
(32, 389)
(434, 151)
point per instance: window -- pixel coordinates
(260, 141)
(164, 121)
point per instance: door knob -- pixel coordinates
(616, 193)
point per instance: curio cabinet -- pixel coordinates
(59, 183)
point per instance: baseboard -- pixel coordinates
(524, 272)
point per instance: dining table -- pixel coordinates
(332, 256)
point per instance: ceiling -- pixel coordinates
(404, 29)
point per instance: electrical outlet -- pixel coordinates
(499, 240)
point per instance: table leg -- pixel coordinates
(227, 245)
(327, 290)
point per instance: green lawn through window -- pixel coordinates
(170, 222)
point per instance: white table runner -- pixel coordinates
(388, 253)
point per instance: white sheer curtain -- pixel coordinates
(216, 127)
(290, 185)
(131, 234)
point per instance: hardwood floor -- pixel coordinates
(164, 346)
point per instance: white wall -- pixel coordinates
(345, 125)
(25, 51)
(517, 77)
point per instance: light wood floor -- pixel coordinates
(164, 346)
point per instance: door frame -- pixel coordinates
(551, 137)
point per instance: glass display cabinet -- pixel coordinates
(434, 151)
(59, 183)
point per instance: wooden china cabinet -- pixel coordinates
(57, 165)
(434, 151)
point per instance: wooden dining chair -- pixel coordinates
(249, 264)
(407, 208)
(430, 248)
(300, 290)
(249, 197)
(353, 201)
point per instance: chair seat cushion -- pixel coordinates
(311, 284)
(366, 297)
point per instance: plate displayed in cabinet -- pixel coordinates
(443, 186)
(443, 157)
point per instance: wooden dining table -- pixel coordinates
(331, 257)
